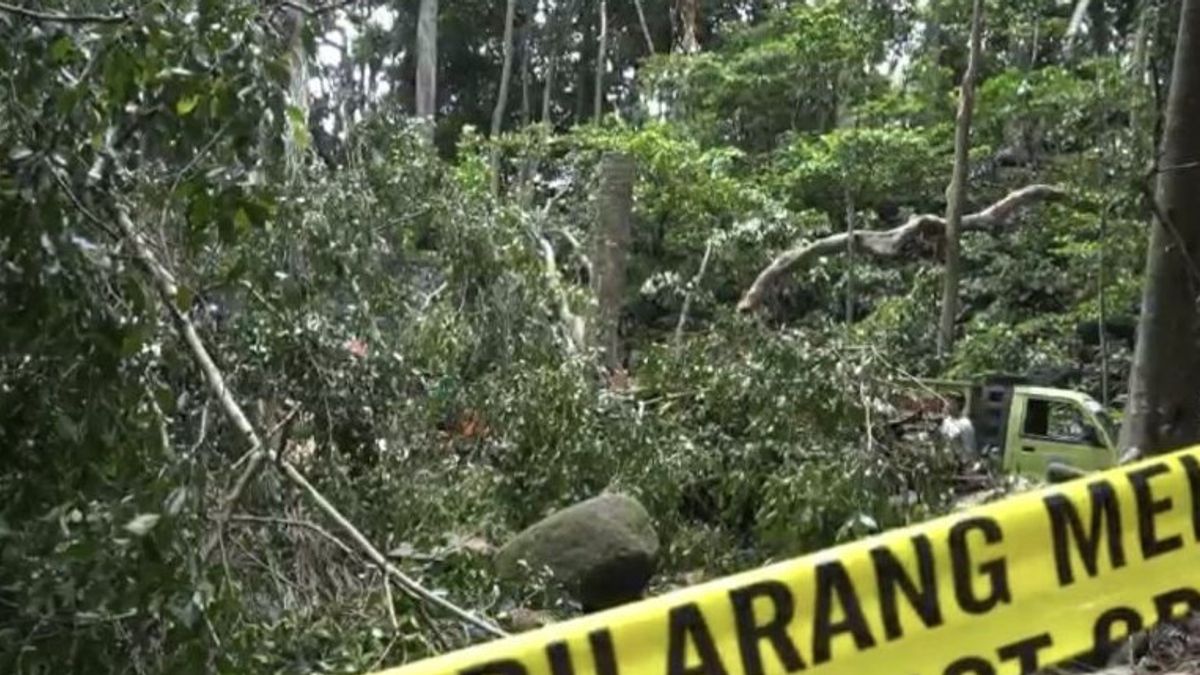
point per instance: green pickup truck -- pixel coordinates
(1040, 432)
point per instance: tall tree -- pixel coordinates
(585, 72)
(1164, 408)
(559, 22)
(293, 32)
(956, 192)
(641, 13)
(601, 62)
(510, 11)
(688, 13)
(553, 46)
(614, 212)
(526, 54)
(427, 63)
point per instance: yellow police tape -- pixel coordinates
(1007, 587)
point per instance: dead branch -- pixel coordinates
(165, 285)
(574, 325)
(58, 17)
(255, 462)
(691, 291)
(318, 10)
(920, 235)
(292, 522)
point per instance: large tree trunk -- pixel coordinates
(585, 72)
(689, 16)
(956, 193)
(614, 212)
(526, 48)
(850, 213)
(548, 91)
(296, 119)
(1099, 30)
(502, 95)
(524, 181)
(427, 22)
(601, 62)
(560, 24)
(921, 235)
(1164, 403)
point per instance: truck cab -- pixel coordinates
(1041, 432)
(1056, 432)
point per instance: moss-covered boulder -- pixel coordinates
(602, 551)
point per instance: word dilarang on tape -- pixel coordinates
(1008, 587)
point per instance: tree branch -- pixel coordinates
(690, 292)
(167, 290)
(919, 234)
(574, 326)
(256, 457)
(316, 11)
(645, 29)
(306, 524)
(58, 17)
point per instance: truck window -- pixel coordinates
(1055, 420)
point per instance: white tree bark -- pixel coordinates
(296, 117)
(689, 16)
(502, 95)
(427, 26)
(505, 70)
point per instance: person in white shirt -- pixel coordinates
(957, 431)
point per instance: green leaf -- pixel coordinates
(187, 104)
(61, 48)
(299, 128)
(177, 500)
(141, 525)
(184, 296)
(241, 220)
(295, 114)
(132, 341)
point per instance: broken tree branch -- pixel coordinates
(317, 10)
(574, 325)
(645, 29)
(919, 235)
(167, 290)
(58, 17)
(406, 582)
(292, 522)
(255, 456)
(691, 292)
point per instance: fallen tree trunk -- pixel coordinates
(920, 235)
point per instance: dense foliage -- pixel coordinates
(392, 326)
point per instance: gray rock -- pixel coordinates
(602, 551)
